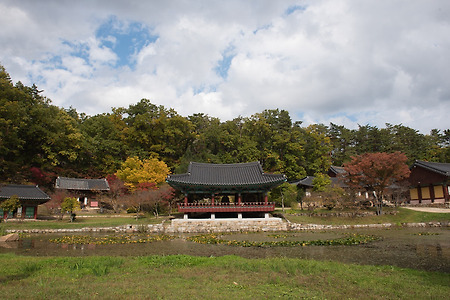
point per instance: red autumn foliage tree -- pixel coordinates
(151, 198)
(56, 200)
(117, 190)
(42, 178)
(376, 172)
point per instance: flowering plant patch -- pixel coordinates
(426, 233)
(351, 239)
(111, 239)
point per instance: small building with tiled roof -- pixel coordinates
(231, 188)
(30, 196)
(429, 182)
(307, 185)
(85, 189)
(335, 171)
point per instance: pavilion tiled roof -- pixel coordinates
(23, 192)
(440, 168)
(82, 184)
(225, 175)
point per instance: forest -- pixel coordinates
(40, 141)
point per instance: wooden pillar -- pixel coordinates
(446, 196)
(266, 199)
(186, 199)
(419, 193)
(432, 196)
(212, 198)
(24, 209)
(239, 199)
(35, 212)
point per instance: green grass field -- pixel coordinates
(227, 277)
(403, 216)
(81, 222)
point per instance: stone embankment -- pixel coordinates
(224, 225)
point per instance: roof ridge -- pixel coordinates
(432, 166)
(227, 164)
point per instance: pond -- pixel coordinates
(417, 248)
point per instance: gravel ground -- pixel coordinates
(430, 209)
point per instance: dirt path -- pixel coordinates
(430, 209)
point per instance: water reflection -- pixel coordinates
(403, 247)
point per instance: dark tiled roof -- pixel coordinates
(24, 192)
(225, 175)
(337, 170)
(440, 168)
(82, 184)
(308, 182)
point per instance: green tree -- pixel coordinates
(438, 146)
(33, 132)
(284, 195)
(104, 137)
(342, 140)
(70, 205)
(317, 149)
(11, 204)
(278, 142)
(408, 141)
(370, 139)
(154, 130)
(321, 182)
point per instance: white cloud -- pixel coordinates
(347, 62)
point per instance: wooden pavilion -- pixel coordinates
(86, 190)
(430, 182)
(225, 188)
(30, 197)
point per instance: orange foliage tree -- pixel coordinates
(135, 172)
(376, 172)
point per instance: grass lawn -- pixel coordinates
(227, 277)
(403, 216)
(80, 222)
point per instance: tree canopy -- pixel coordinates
(376, 172)
(135, 172)
(39, 141)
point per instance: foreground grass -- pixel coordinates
(403, 216)
(227, 277)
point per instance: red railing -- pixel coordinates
(227, 207)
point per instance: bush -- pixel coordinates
(131, 210)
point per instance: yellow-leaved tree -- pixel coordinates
(135, 172)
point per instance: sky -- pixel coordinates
(360, 62)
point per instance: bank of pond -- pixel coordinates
(417, 248)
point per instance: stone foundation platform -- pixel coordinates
(226, 225)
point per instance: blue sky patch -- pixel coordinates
(80, 50)
(345, 115)
(224, 65)
(294, 8)
(124, 38)
(204, 89)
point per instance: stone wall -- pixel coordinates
(227, 225)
